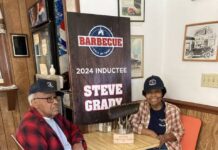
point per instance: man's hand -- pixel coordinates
(78, 146)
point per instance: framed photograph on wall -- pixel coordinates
(38, 13)
(19, 45)
(137, 56)
(201, 42)
(134, 9)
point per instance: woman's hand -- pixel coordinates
(166, 138)
(149, 133)
(162, 139)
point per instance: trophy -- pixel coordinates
(123, 133)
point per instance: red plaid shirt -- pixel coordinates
(141, 120)
(35, 134)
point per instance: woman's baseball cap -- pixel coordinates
(153, 82)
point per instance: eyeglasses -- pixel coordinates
(49, 99)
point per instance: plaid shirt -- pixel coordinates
(141, 120)
(35, 134)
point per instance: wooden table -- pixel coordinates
(104, 141)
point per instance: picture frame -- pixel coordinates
(201, 42)
(42, 49)
(134, 9)
(20, 45)
(38, 13)
(137, 56)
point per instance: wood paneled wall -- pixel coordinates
(15, 16)
(208, 115)
(209, 130)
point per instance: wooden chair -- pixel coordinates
(18, 144)
(192, 127)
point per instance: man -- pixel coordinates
(42, 127)
(158, 118)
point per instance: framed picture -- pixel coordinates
(201, 42)
(134, 9)
(137, 56)
(42, 48)
(19, 45)
(38, 13)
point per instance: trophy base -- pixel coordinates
(123, 138)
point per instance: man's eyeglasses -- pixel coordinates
(49, 99)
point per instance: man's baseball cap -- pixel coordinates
(43, 85)
(153, 82)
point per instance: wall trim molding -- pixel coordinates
(193, 106)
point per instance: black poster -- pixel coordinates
(99, 65)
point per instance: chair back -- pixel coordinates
(18, 144)
(192, 127)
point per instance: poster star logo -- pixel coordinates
(100, 41)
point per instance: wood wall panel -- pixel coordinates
(23, 70)
(2, 131)
(209, 116)
(25, 28)
(3, 140)
(9, 128)
(14, 25)
(209, 131)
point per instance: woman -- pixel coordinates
(158, 118)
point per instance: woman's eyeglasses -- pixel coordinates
(49, 99)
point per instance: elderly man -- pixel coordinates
(42, 127)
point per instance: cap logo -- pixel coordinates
(152, 82)
(50, 85)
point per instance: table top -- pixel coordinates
(104, 141)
